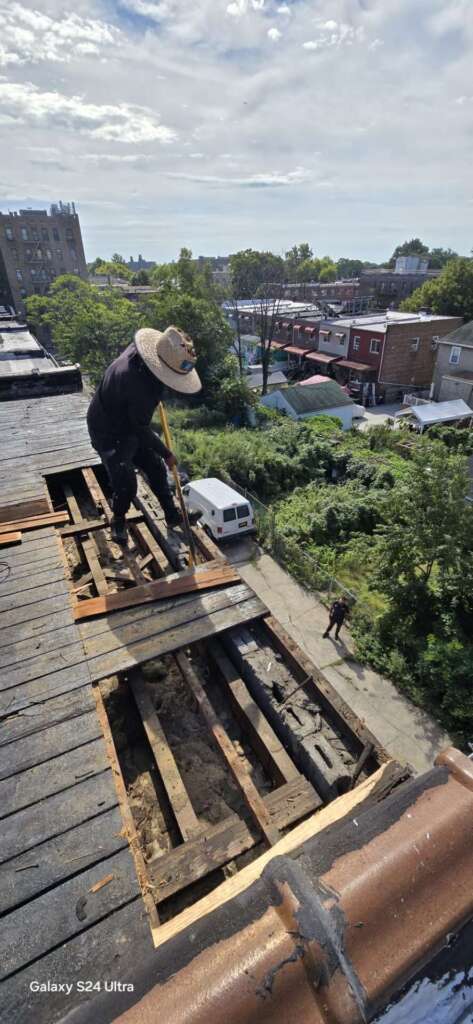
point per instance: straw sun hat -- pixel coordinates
(170, 355)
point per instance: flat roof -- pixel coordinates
(18, 341)
(441, 412)
(380, 322)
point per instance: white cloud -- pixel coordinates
(284, 9)
(147, 9)
(274, 34)
(121, 123)
(29, 36)
(118, 158)
(240, 7)
(271, 179)
(334, 34)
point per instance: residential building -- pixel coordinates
(301, 402)
(140, 264)
(373, 288)
(276, 379)
(453, 376)
(35, 248)
(394, 350)
(27, 368)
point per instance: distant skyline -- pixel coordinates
(227, 124)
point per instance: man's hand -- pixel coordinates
(170, 461)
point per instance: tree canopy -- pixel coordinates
(253, 271)
(450, 293)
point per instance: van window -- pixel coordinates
(229, 514)
(243, 511)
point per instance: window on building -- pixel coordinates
(56, 234)
(24, 234)
(23, 293)
(356, 343)
(33, 272)
(455, 355)
(59, 254)
(49, 254)
(69, 233)
(38, 254)
(375, 346)
(45, 234)
(415, 344)
(9, 234)
(34, 235)
(19, 275)
(28, 254)
(434, 344)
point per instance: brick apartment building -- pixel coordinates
(375, 288)
(394, 350)
(35, 248)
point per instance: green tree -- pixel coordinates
(141, 277)
(201, 319)
(116, 258)
(251, 271)
(111, 269)
(349, 268)
(87, 326)
(451, 293)
(294, 257)
(439, 257)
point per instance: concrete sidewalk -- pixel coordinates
(406, 732)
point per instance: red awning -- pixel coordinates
(309, 330)
(296, 350)
(286, 324)
(362, 367)
(278, 344)
(321, 357)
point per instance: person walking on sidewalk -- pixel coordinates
(337, 615)
(120, 413)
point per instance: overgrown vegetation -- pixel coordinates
(393, 524)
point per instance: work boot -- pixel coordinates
(119, 531)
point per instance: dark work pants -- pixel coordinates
(121, 469)
(338, 625)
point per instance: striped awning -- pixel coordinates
(321, 357)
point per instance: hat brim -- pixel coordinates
(186, 383)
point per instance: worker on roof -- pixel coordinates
(120, 413)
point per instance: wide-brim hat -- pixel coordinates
(170, 355)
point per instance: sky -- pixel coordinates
(228, 124)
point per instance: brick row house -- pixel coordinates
(379, 355)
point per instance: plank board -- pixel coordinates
(207, 577)
(123, 658)
(34, 825)
(248, 790)
(35, 691)
(27, 875)
(111, 950)
(67, 910)
(34, 719)
(254, 723)
(48, 519)
(55, 775)
(24, 510)
(222, 842)
(178, 796)
(49, 743)
(10, 538)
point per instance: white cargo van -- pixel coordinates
(224, 511)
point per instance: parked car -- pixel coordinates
(224, 512)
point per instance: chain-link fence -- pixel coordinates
(303, 566)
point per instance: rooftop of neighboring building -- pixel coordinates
(379, 322)
(316, 397)
(460, 336)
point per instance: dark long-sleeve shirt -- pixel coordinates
(123, 405)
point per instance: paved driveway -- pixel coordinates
(407, 733)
